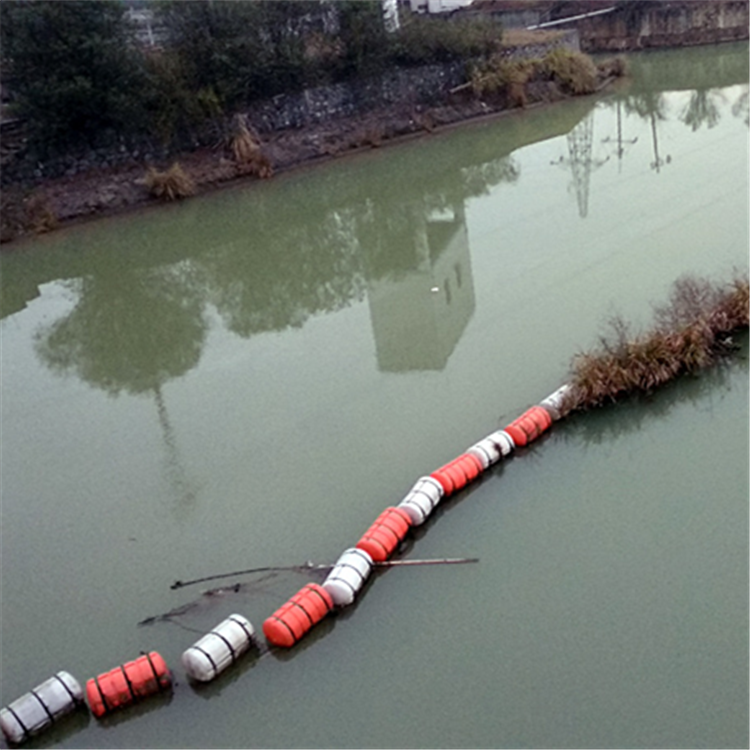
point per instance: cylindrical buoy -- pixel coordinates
(131, 682)
(529, 426)
(554, 403)
(503, 441)
(519, 436)
(486, 451)
(422, 499)
(219, 648)
(541, 416)
(39, 708)
(458, 473)
(388, 529)
(348, 576)
(292, 620)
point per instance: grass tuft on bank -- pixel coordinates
(169, 185)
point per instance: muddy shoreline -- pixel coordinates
(65, 201)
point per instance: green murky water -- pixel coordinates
(249, 378)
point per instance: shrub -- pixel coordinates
(422, 41)
(240, 50)
(74, 72)
(170, 185)
(365, 41)
(690, 333)
(172, 107)
(574, 71)
(614, 67)
(498, 74)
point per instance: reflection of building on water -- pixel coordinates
(418, 318)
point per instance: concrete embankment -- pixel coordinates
(675, 23)
(617, 26)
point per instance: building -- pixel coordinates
(437, 6)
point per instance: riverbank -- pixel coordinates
(100, 192)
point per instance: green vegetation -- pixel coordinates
(78, 77)
(73, 72)
(691, 332)
(433, 40)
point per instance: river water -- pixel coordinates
(249, 378)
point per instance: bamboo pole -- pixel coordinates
(312, 566)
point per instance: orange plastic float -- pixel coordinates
(530, 425)
(384, 535)
(292, 620)
(459, 472)
(131, 682)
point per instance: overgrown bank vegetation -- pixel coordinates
(572, 73)
(692, 331)
(77, 74)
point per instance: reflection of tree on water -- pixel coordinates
(650, 106)
(708, 66)
(480, 177)
(620, 141)
(276, 276)
(702, 109)
(740, 106)
(132, 331)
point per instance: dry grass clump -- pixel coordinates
(613, 67)
(690, 333)
(22, 212)
(170, 185)
(41, 218)
(574, 71)
(498, 76)
(246, 150)
(370, 135)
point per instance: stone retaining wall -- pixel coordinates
(407, 87)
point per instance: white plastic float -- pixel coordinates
(487, 452)
(348, 576)
(216, 650)
(554, 402)
(503, 441)
(39, 708)
(422, 499)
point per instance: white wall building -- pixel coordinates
(437, 6)
(390, 15)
